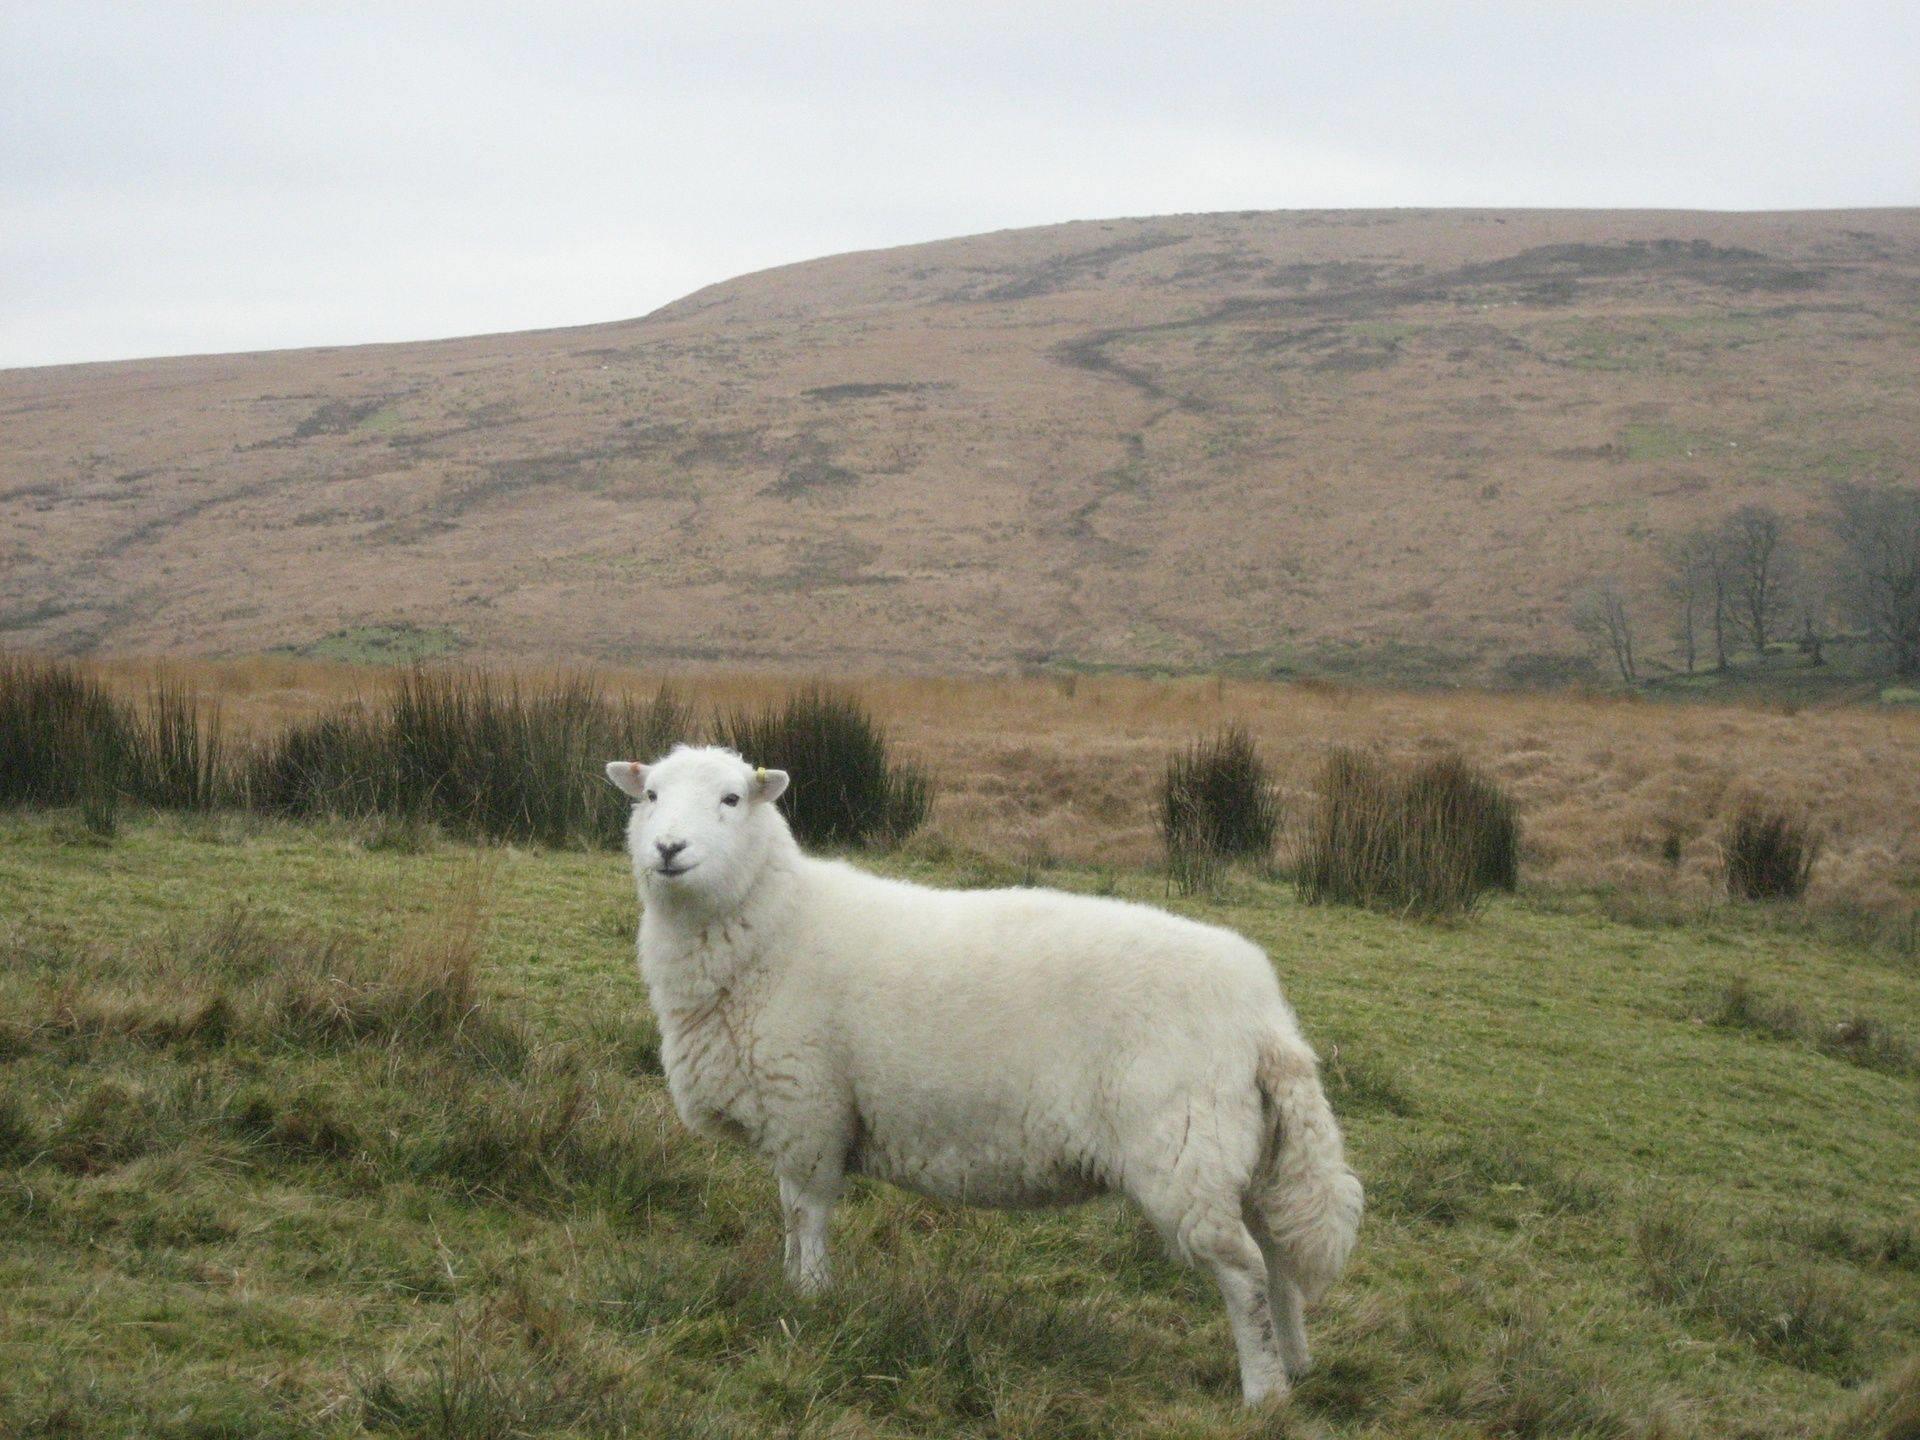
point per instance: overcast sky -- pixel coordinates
(177, 178)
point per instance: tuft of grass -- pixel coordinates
(1768, 854)
(846, 787)
(64, 740)
(1529, 1388)
(1891, 1244)
(514, 1367)
(1216, 803)
(1425, 841)
(1364, 1084)
(1859, 1040)
(1889, 1409)
(1476, 1176)
(1791, 1315)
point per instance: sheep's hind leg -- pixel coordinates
(804, 1211)
(1227, 1248)
(1284, 1298)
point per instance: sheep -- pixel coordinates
(1006, 1048)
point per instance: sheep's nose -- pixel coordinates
(669, 848)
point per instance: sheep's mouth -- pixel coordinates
(671, 871)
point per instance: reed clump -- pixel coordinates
(1427, 840)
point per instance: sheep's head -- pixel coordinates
(701, 822)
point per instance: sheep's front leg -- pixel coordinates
(804, 1211)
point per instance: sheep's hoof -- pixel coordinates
(1258, 1397)
(810, 1284)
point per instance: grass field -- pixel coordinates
(333, 1131)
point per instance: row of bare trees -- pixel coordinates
(1751, 580)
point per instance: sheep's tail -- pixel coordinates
(1305, 1198)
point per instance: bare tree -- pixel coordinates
(1879, 530)
(1601, 616)
(1813, 606)
(1755, 539)
(1690, 585)
(1703, 583)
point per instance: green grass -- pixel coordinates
(401, 643)
(1665, 442)
(275, 1159)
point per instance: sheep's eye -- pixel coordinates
(652, 796)
(729, 799)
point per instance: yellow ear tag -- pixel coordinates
(760, 775)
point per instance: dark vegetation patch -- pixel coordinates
(338, 417)
(25, 617)
(810, 476)
(1730, 267)
(1065, 270)
(1886, 1410)
(1360, 1083)
(476, 755)
(1548, 670)
(331, 417)
(870, 389)
(1876, 1244)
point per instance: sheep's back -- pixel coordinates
(1000, 1044)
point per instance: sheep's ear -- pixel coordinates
(769, 785)
(629, 775)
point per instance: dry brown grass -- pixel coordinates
(1608, 789)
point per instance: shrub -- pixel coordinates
(845, 789)
(476, 755)
(1216, 803)
(1425, 841)
(1769, 854)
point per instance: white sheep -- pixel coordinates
(1005, 1048)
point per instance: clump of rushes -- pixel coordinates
(1426, 841)
(1769, 854)
(847, 789)
(481, 757)
(1216, 804)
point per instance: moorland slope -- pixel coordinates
(1392, 443)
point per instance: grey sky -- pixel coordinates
(178, 178)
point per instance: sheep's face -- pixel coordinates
(700, 820)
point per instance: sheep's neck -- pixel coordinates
(694, 959)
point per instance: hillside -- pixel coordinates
(1390, 443)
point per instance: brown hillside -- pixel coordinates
(1393, 441)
